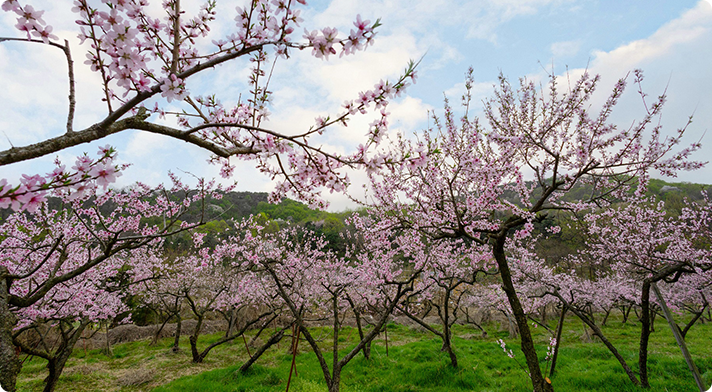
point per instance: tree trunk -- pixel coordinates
(107, 349)
(538, 382)
(357, 315)
(10, 364)
(626, 311)
(56, 363)
(453, 357)
(444, 336)
(607, 343)
(694, 320)
(197, 357)
(230, 322)
(447, 345)
(471, 320)
(605, 318)
(644, 334)
(156, 335)
(559, 328)
(447, 332)
(274, 339)
(335, 380)
(54, 370)
(176, 341)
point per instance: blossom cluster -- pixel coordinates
(30, 20)
(87, 175)
(140, 55)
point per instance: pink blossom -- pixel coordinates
(105, 174)
(45, 34)
(172, 88)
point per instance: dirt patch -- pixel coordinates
(135, 377)
(131, 333)
(85, 369)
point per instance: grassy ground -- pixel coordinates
(414, 363)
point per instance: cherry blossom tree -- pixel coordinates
(690, 294)
(208, 285)
(315, 284)
(47, 248)
(64, 313)
(632, 246)
(156, 294)
(147, 59)
(443, 285)
(643, 243)
(462, 179)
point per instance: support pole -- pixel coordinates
(679, 338)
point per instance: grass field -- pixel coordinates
(414, 363)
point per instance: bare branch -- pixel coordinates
(70, 72)
(72, 98)
(176, 36)
(112, 123)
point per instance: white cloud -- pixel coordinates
(565, 49)
(484, 17)
(676, 61)
(687, 29)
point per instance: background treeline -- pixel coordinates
(239, 205)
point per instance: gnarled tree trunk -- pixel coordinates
(540, 385)
(56, 362)
(10, 364)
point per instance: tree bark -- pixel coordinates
(626, 311)
(644, 333)
(156, 335)
(559, 328)
(10, 364)
(444, 336)
(193, 339)
(56, 362)
(335, 380)
(540, 385)
(176, 340)
(359, 326)
(447, 333)
(231, 319)
(107, 348)
(199, 357)
(694, 320)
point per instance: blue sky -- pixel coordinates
(670, 40)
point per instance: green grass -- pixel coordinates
(414, 363)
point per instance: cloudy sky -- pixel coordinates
(670, 40)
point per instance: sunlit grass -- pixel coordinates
(414, 363)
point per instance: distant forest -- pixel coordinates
(238, 205)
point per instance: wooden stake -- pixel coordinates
(385, 330)
(680, 340)
(246, 347)
(295, 345)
